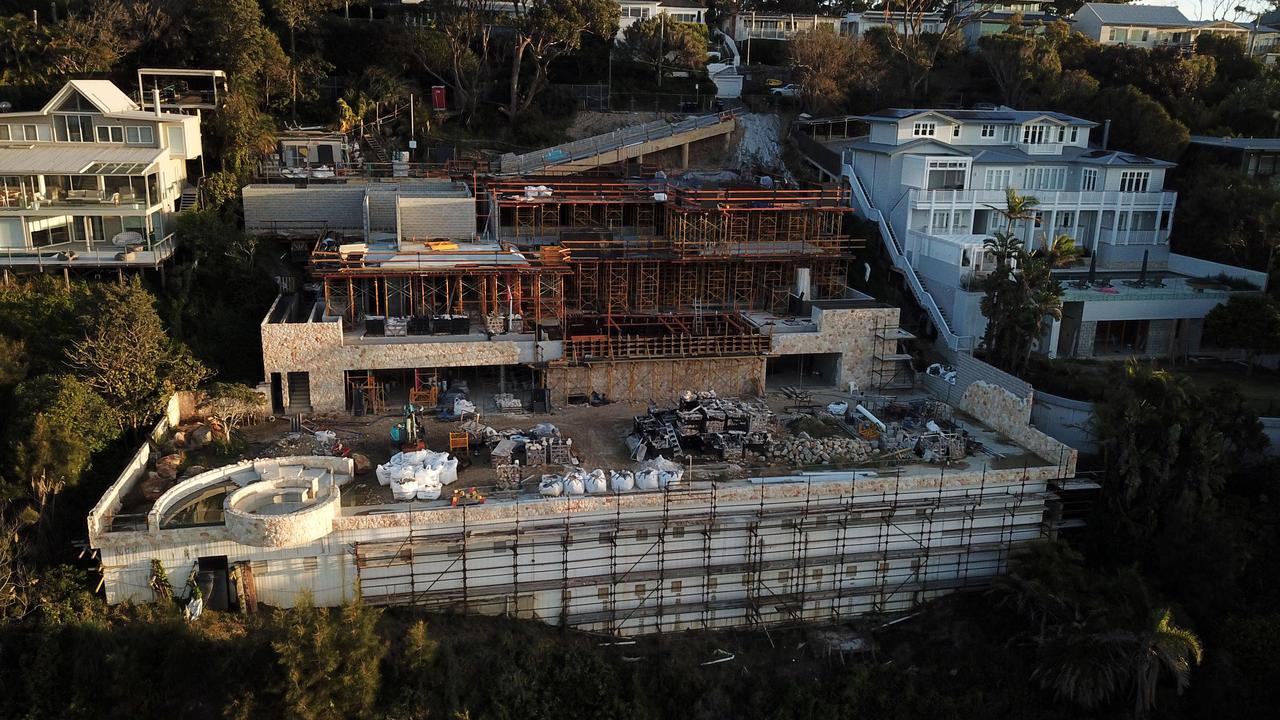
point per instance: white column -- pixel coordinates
(1055, 329)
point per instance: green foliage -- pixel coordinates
(127, 357)
(1248, 322)
(59, 422)
(47, 316)
(663, 43)
(14, 363)
(1227, 216)
(330, 664)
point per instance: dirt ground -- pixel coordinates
(589, 122)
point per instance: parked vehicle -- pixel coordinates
(789, 90)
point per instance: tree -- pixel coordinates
(97, 39)
(331, 665)
(233, 404)
(25, 49)
(230, 34)
(914, 49)
(658, 42)
(303, 15)
(1247, 322)
(544, 31)
(459, 52)
(827, 64)
(1139, 124)
(1018, 62)
(1227, 216)
(127, 357)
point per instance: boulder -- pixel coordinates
(192, 471)
(361, 463)
(179, 439)
(153, 486)
(199, 437)
(167, 466)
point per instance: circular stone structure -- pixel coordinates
(293, 503)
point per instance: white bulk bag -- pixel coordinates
(670, 478)
(403, 490)
(384, 473)
(622, 481)
(413, 457)
(551, 486)
(449, 471)
(574, 483)
(430, 491)
(647, 479)
(596, 483)
(427, 476)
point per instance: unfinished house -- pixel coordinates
(769, 545)
(632, 289)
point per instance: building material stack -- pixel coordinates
(703, 422)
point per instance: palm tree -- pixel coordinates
(1062, 251)
(1006, 248)
(1163, 648)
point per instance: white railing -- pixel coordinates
(95, 255)
(922, 296)
(607, 142)
(1049, 199)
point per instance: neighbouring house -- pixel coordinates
(90, 179)
(775, 26)
(1152, 26)
(977, 19)
(938, 180)
(691, 11)
(858, 24)
(1259, 157)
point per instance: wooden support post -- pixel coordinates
(66, 276)
(684, 155)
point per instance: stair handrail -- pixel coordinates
(922, 296)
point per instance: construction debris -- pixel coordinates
(803, 450)
(702, 422)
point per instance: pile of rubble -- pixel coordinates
(702, 421)
(803, 450)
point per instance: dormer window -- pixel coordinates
(1035, 134)
(1075, 134)
(955, 131)
(988, 131)
(1062, 134)
(924, 129)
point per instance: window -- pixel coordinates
(1035, 134)
(955, 131)
(996, 179)
(1008, 134)
(1075, 134)
(1134, 180)
(1044, 178)
(941, 220)
(1139, 35)
(1120, 337)
(110, 133)
(924, 129)
(960, 220)
(1122, 221)
(1088, 180)
(4, 132)
(1066, 219)
(988, 131)
(1062, 133)
(139, 135)
(73, 128)
(29, 133)
(946, 174)
(1116, 35)
(602, 593)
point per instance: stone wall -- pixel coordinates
(321, 350)
(1159, 338)
(1084, 344)
(660, 381)
(1010, 415)
(847, 331)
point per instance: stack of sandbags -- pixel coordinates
(418, 474)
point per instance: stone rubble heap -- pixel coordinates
(802, 449)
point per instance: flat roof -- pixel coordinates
(1237, 143)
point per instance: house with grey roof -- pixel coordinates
(1259, 157)
(92, 180)
(1151, 26)
(936, 182)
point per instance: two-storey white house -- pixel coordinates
(1151, 26)
(91, 179)
(938, 179)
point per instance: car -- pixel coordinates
(790, 90)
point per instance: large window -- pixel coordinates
(1120, 337)
(1117, 35)
(997, 179)
(1263, 164)
(110, 133)
(1044, 178)
(34, 133)
(73, 128)
(1088, 180)
(1035, 134)
(946, 174)
(924, 129)
(1135, 180)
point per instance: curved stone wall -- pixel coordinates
(299, 527)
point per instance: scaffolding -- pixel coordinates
(891, 366)
(704, 558)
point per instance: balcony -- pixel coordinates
(146, 253)
(1049, 199)
(1054, 148)
(96, 202)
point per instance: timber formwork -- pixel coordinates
(699, 559)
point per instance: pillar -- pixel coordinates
(684, 155)
(1055, 330)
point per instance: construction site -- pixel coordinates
(623, 402)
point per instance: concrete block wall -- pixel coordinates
(268, 207)
(437, 217)
(1084, 344)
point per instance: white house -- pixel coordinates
(858, 24)
(91, 179)
(1150, 26)
(776, 26)
(938, 180)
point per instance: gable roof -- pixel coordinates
(1148, 15)
(1001, 115)
(102, 94)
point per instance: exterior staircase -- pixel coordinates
(377, 148)
(959, 343)
(189, 200)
